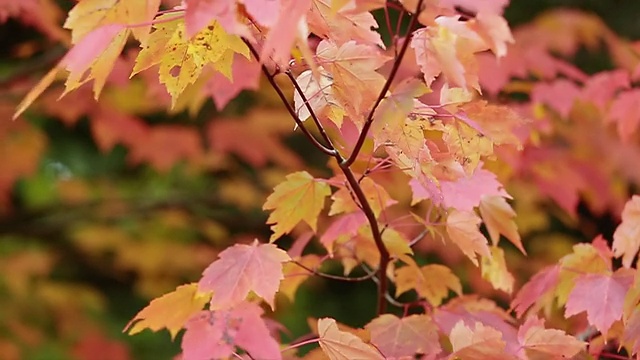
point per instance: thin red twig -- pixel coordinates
(385, 88)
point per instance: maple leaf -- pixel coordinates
(471, 310)
(165, 145)
(463, 230)
(215, 334)
(603, 86)
(560, 95)
(44, 15)
(96, 52)
(319, 95)
(467, 145)
(494, 30)
(601, 296)
(200, 13)
(480, 343)
(341, 345)
(377, 197)
(88, 15)
(169, 311)
(352, 66)
(110, 127)
(431, 282)
(625, 113)
(467, 192)
(626, 239)
(243, 268)
(584, 259)
(264, 12)
(291, 27)
(347, 224)
(537, 342)
(448, 48)
(253, 139)
(182, 58)
(245, 74)
(299, 198)
(498, 216)
(343, 26)
(92, 58)
(498, 123)
(539, 287)
(399, 338)
(494, 270)
(393, 124)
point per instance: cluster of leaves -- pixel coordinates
(418, 162)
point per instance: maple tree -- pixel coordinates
(437, 131)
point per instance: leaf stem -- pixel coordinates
(302, 343)
(385, 88)
(334, 277)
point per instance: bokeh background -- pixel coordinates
(106, 205)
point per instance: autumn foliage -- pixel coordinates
(421, 146)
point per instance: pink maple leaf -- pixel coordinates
(466, 192)
(625, 112)
(347, 224)
(603, 86)
(246, 76)
(559, 95)
(601, 296)
(539, 285)
(283, 34)
(265, 12)
(538, 342)
(216, 334)
(470, 310)
(200, 13)
(243, 268)
(80, 57)
(402, 338)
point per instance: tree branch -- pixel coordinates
(290, 109)
(323, 133)
(385, 88)
(345, 165)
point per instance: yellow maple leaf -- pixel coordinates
(169, 311)
(299, 198)
(181, 58)
(498, 216)
(494, 270)
(462, 228)
(88, 15)
(467, 145)
(365, 250)
(431, 282)
(377, 197)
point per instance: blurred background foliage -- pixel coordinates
(106, 205)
